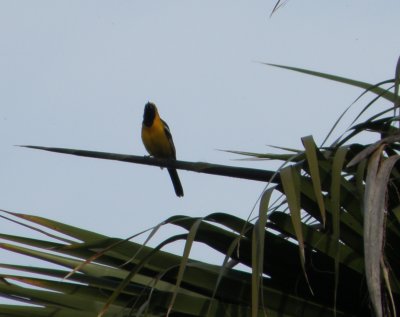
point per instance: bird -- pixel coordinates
(157, 139)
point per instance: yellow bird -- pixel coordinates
(157, 140)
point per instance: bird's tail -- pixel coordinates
(176, 181)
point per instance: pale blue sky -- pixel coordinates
(77, 74)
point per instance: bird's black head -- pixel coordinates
(149, 114)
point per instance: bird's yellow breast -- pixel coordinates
(156, 141)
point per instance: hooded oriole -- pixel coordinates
(157, 140)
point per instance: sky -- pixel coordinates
(77, 74)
